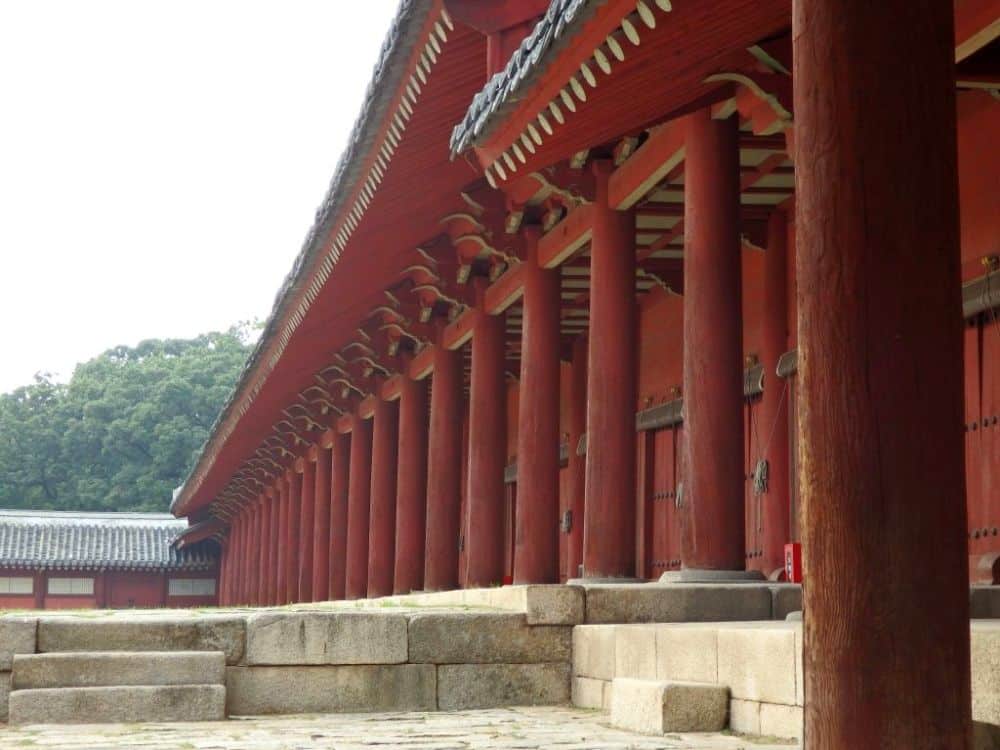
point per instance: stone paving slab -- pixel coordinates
(495, 729)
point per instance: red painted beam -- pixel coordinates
(422, 364)
(662, 152)
(459, 331)
(977, 23)
(566, 237)
(505, 291)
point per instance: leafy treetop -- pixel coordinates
(126, 429)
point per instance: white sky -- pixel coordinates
(161, 162)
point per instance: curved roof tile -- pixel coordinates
(52, 540)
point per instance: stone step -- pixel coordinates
(118, 668)
(661, 706)
(141, 632)
(136, 703)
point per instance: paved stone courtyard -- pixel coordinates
(521, 728)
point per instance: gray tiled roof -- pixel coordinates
(391, 62)
(96, 541)
(560, 22)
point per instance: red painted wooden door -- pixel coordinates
(663, 549)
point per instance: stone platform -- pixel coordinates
(760, 663)
(522, 728)
(474, 649)
(293, 660)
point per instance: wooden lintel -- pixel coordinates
(313, 453)
(662, 152)
(366, 409)
(391, 388)
(299, 465)
(977, 23)
(459, 331)
(345, 424)
(422, 365)
(326, 439)
(566, 237)
(505, 291)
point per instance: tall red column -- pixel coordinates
(292, 538)
(307, 514)
(712, 516)
(282, 571)
(237, 548)
(339, 492)
(487, 448)
(382, 521)
(261, 551)
(358, 509)
(411, 487)
(223, 575)
(576, 469)
(444, 472)
(321, 527)
(265, 547)
(774, 403)
(609, 523)
(880, 376)
(244, 584)
(273, 544)
(536, 543)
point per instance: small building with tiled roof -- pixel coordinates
(68, 559)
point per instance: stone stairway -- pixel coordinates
(118, 686)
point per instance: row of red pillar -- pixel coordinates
(379, 511)
(886, 632)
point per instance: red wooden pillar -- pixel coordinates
(241, 570)
(321, 527)
(536, 545)
(880, 376)
(307, 516)
(282, 571)
(487, 448)
(339, 492)
(248, 557)
(609, 526)
(382, 523)
(712, 516)
(260, 549)
(251, 558)
(227, 570)
(358, 508)
(236, 528)
(39, 586)
(774, 402)
(444, 472)
(411, 487)
(292, 538)
(249, 578)
(256, 548)
(223, 574)
(234, 535)
(577, 463)
(265, 547)
(273, 544)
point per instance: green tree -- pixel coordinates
(124, 431)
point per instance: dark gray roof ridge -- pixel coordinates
(53, 540)
(529, 61)
(17, 513)
(390, 64)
